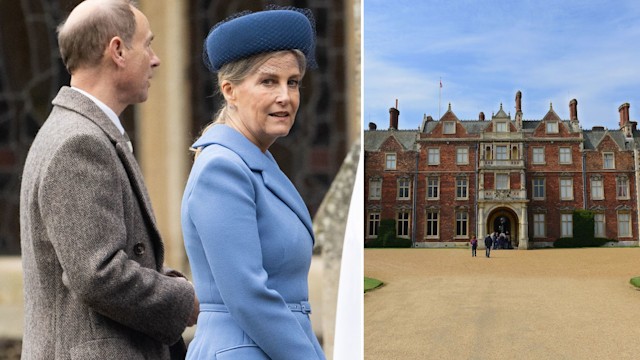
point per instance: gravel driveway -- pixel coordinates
(536, 304)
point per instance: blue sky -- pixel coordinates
(485, 51)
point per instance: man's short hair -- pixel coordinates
(83, 43)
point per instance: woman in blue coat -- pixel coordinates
(247, 232)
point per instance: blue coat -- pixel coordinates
(249, 239)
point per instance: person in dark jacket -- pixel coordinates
(488, 241)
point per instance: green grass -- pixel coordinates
(634, 281)
(371, 284)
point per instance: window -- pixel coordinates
(598, 220)
(432, 224)
(538, 225)
(462, 224)
(566, 220)
(374, 224)
(597, 192)
(403, 188)
(432, 188)
(449, 127)
(622, 188)
(624, 224)
(403, 224)
(462, 156)
(538, 155)
(375, 189)
(565, 155)
(552, 127)
(501, 127)
(501, 153)
(566, 189)
(462, 188)
(390, 162)
(608, 161)
(538, 188)
(434, 157)
(502, 181)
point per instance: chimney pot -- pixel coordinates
(481, 116)
(518, 101)
(393, 118)
(573, 109)
(373, 126)
(624, 114)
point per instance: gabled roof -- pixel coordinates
(449, 115)
(374, 139)
(593, 138)
(551, 115)
(501, 114)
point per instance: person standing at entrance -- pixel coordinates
(488, 241)
(474, 245)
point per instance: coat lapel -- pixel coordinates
(75, 101)
(274, 179)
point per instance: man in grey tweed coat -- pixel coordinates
(94, 281)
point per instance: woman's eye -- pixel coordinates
(268, 81)
(294, 83)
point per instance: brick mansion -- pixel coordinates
(452, 179)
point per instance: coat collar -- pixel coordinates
(75, 101)
(274, 179)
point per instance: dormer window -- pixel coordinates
(449, 127)
(501, 127)
(552, 127)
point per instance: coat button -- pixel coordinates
(138, 249)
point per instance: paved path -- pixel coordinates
(537, 304)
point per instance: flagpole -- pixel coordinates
(439, 97)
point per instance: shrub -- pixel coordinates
(394, 242)
(374, 243)
(578, 243)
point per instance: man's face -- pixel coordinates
(140, 63)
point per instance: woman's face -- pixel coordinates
(264, 104)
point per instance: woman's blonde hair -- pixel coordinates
(235, 72)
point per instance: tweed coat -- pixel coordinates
(249, 239)
(94, 283)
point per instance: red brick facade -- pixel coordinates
(453, 179)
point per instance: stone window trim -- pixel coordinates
(566, 224)
(501, 127)
(390, 161)
(462, 216)
(404, 186)
(433, 156)
(605, 161)
(464, 187)
(622, 185)
(539, 225)
(449, 127)
(375, 195)
(372, 220)
(463, 155)
(543, 186)
(403, 230)
(434, 220)
(501, 175)
(624, 214)
(566, 158)
(570, 196)
(552, 127)
(436, 186)
(596, 188)
(536, 155)
(603, 226)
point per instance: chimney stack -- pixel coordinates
(394, 113)
(624, 114)
(573, 109)
(481, 116)
(373, 126)
(518, 101)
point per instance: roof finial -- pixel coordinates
(449, 106)
(550, 105)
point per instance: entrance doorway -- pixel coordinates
(504, 220)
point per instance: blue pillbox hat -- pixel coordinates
(260, 32)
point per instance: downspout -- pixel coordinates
(584, 180)
(635, 167)
(415, 200)
(475, 197)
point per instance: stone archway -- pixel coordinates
(505, 220)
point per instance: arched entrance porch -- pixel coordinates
(504, 220)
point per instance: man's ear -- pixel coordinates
(115, 50)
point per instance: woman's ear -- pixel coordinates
(227, 90)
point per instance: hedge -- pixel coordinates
(578, 243)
